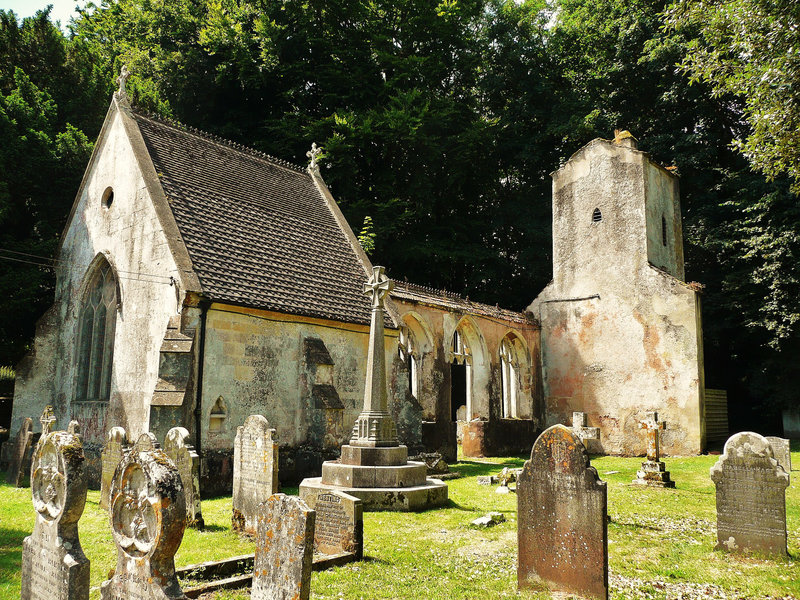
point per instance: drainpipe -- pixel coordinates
(201, 354)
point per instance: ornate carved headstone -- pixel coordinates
(782, 451)
(751, 496)
(255, 471)
(18, 461)
(339, 524)
(579, 428)
(284, 550)
(53, 563)
(653, 471)
(148, 517)
(188, 464)
(116, 445)
(562, 510)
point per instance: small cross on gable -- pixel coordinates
(313, 154)
(378, 286)
(122, 80)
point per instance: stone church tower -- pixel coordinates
(621, 329)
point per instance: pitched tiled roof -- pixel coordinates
(258, 231)
(451, 301)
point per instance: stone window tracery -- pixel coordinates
(410, 355)
(509, 377)
(96, 326)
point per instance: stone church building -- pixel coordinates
(200, 281)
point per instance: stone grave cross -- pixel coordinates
(47, 419)
(580, 429)
(653, 427)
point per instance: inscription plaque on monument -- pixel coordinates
(18, 461)
(116, 445)
(339, 524)
(148, 517)
(751, 496)
(561, 528)
(54, 566)
(255, 471)
(187, 462)
(284, 549)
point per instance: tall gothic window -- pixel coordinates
(96, 325)
(509, 378)
(408, 353)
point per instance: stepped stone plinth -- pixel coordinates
(374, 467)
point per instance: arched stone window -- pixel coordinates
(597, 216)
(410, 355)
(96, 324)
(509, 376)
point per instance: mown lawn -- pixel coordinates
(660, 541)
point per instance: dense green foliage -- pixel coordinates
(440, 124)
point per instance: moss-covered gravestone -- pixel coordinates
(284, 550)
(751, 496)
(255, 471)
(177, 447)
(116, 445)
(53, 564)
(561, 511)
(148, 518)
(18, 461)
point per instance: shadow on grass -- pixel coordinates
(10, 548)
(469, 468)
(213, 527)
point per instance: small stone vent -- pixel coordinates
(597, 216)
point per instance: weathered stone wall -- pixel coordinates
(256, 361)
(129, 234)
(619, 336)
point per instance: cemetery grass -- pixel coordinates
(658, 539)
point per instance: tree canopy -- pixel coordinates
(441, 123)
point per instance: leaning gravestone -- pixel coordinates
(18, 456)
(751, 496)
(116, 445)
(148, 517)
(188, 464)
(339, 524)
(562, 509)
(255, 471)
(284, 549)
(782, 452)
(53, 564)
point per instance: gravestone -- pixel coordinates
(284, 549)
(116, 445)
(751, 496)
(148, 518)
(255, 471)
(562, 510)
(74, 427)
(18, 460)
(782, 452)
(653, 472)
(579, 428)
(188, 464)
(54, 566)
(339, 524)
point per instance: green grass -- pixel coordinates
(655, 535)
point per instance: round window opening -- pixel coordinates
(108, 198)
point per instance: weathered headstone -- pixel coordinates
(188, 464)
(562, 510)
(255, 471)
(148, 518)
(751, 496)
(339, 524)
(116, 445)
(54, 566)
(653, 471)
(579, 428)
(18, 462)
(782, 451)
(284, 549)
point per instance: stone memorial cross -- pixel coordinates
(284, 549)
(54, 566)
(654, 427)
(187, 462)
(580, 429)
(148, 517)
(255, 471)
(562, 519)
(751, 496)
(653, 472)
